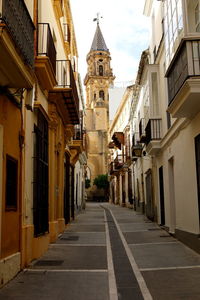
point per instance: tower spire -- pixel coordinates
(98, 41)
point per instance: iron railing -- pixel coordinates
(135, 138)
(142, 129)
(66, 32)
(112, 167)
(78, 135)
(15, 15)
(45, 44)
(119, 161)
(65, 79)
(153, 130)
(185, 64)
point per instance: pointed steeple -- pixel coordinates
(98, 41)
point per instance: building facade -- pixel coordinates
(119, 153)
(39, 110)
(165, 123)
(98, 79)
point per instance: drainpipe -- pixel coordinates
(35, 20)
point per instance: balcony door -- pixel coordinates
(172, 195)
(197, 150)
(40, 184)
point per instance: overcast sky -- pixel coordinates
(125, 30)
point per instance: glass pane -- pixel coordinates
(179, 9)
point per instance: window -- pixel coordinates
(173, 27)
(95, 96)
(11, 182)
(101, 95)
(100, 70)
(197, 18)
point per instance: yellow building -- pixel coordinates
(16, 75)
(98, 79)
(39, 106)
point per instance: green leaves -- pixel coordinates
(101, 181)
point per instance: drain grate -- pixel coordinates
(154, 229)
(70, 238)
(49, 263)
(164, 236)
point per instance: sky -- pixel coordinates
(125, 30)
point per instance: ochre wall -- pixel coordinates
(10, 119)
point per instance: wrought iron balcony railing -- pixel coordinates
(136, 145)
(186, 64)
(15, 15)
(66, 32)
(112, 167)
(119, 161)
(65, 79)
(45, 44)
(153, 130)
(142, 130)
(78, 134)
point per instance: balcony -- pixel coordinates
(45, 62)
(142, 133)
(65, 93)
(119, 161)
(76, 144)
(16, 44)
(136, 146)
(183, 76)
(118, 139)
(153, 136)
(112, 169)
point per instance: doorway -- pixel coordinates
(197, 152)
(172, 195)
(162, 199)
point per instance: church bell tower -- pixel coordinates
(98, 79)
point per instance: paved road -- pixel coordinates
(109, 253)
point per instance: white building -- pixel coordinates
(166, 120)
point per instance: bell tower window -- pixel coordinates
(101, 95)
(100, 70)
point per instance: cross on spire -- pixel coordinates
(97, 18)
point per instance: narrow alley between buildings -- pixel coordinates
(110, 252)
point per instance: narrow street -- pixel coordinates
(110, 252)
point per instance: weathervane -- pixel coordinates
(97, 18)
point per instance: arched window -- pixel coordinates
(101, 95)
(100, 70)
